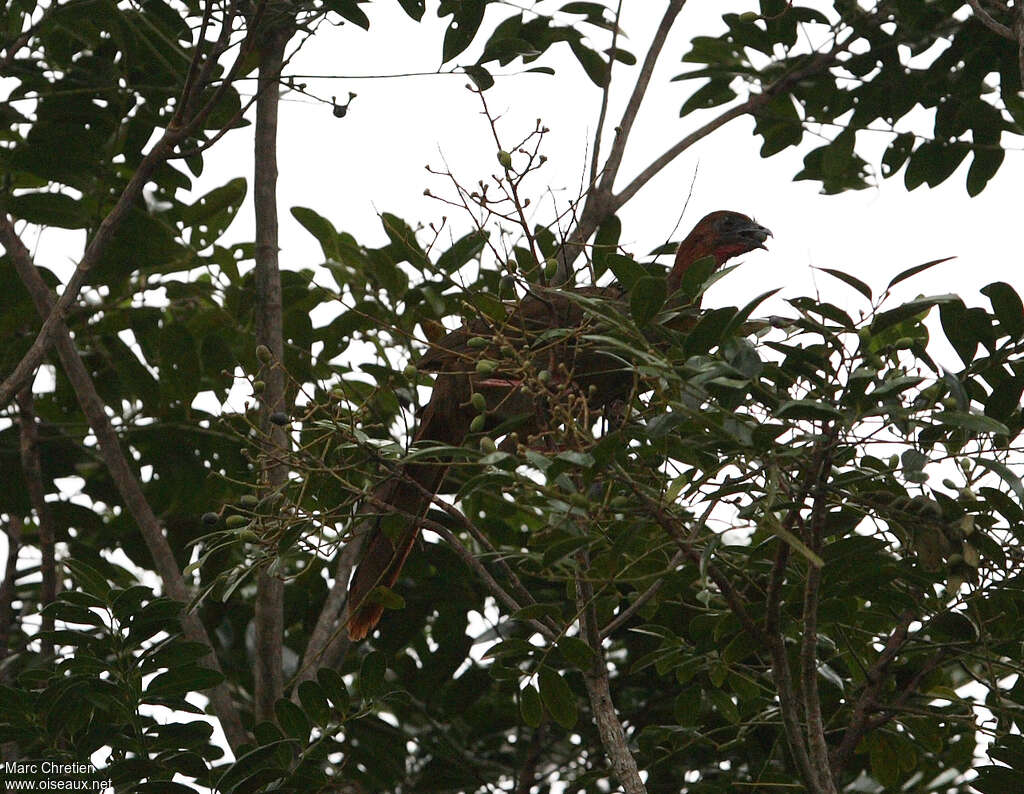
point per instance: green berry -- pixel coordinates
(550, 269)
(410, 371)
(234, 522)
(476, 342)
(248, 500)
(485, 367)
(259, 386)
(505, 159)
(263, 354)
(487, 444)
(478, 423)
(479, 402)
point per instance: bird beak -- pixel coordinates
(753, 235)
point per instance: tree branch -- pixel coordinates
(986, 19)
(8, 587)
(328, 643)
(624, 616)
(611, 167)
(269, 611)
(32, 469)
(121, 471)
(596, 154)
(868, 700)
(613, 735)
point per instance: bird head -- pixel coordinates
(722, 234)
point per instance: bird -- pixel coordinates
(461, 380)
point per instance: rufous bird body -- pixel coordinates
(447, 417)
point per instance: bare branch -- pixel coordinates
(327, 642)
(32, 469)
(269, 613)
(817, 746)
(626, 614)
(816, 64)
(611, 168)
(613, 735)
(986, 19)
(7, 587)
(868, 700)
(596, 154)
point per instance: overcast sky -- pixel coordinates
(373, 160)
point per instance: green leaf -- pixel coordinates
(350, 10)
(984, 166)
(953, 625)
(715, 92)
(314, 701)
(181, 681)
(593, 64)
(557, 697)
(321, 228)
(48, 209)
(466, 19)
(849, 280)
(807, 409)
(721, 701)
(626, 269)
(913, 271)
(915, 308)
(479, 75)
(973, 422)
(646, 297)
(414, 8)
(462, 251)
(530, 706)
(998, 780)
(1006, 304)
(292, 719)
(605, 242)
(897, 153)
(371, 674)
(1005, 474)
(577, 653)
(334, 687)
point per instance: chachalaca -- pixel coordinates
(447, 417)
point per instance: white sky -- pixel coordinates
(373, 160)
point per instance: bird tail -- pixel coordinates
(381, 565)
(444, 420)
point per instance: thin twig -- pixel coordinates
(528, 771)
(623, 617)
